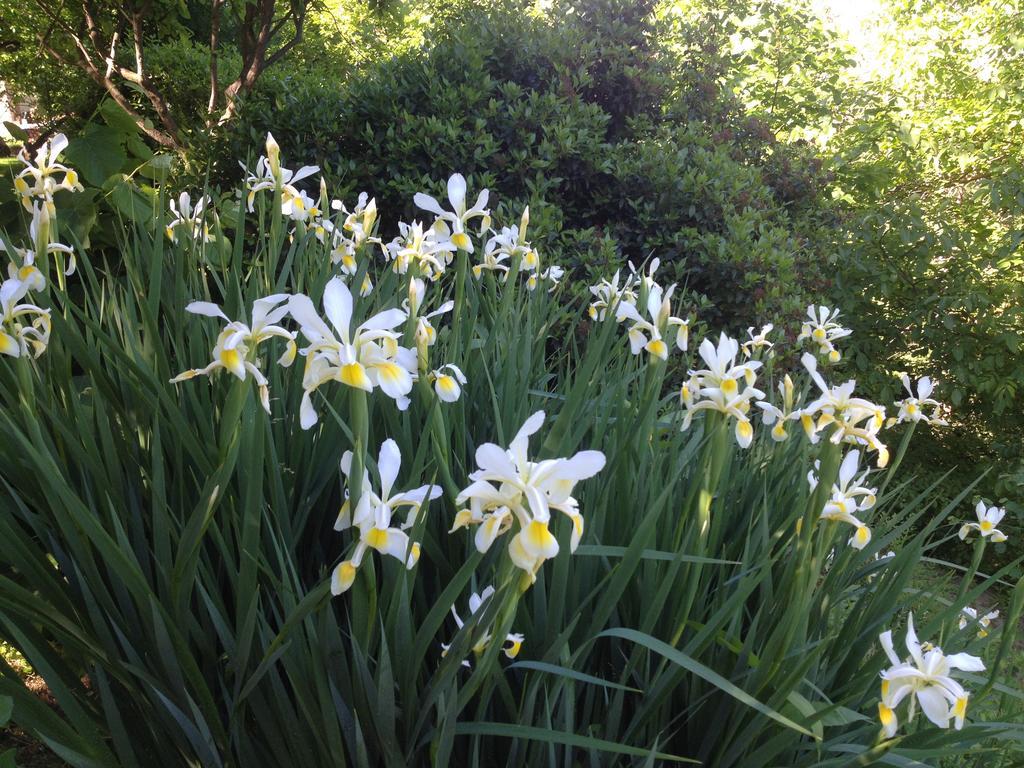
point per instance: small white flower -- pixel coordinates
(235, 350)
(455, 221)
(821, 328)
(18, 338)
(758, 340)
(39, 179)
(912, 408)
(988, 519)
(717, 387)
(190, 218)
(448, 382)
(850, 495)
(608, 295)
(372, 516)
(925, 679)
(513, 641)
(969, 615)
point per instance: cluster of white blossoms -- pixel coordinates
(37, 182)
(913, 408)
(364, 356)
(238, 343)
(726, 386)
(513, 641)
(608, 294)
(190, 218)
(510, 490)
(647, 305)
(924, 679)
(356, 230)
(970, 616)
(822, 329)
(850, 419)
(24, 325)
(270, 175)
(420, 249)
(850, 495)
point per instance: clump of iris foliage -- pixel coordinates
(419, 506)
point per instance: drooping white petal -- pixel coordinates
(428, 203)
(207, 308)
(493, 458)
(583, 465)
(934, 705)
(966, 662)
(388, 464)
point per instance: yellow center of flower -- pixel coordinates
(354, 375)
(513, 650)
(818, 334)
(538, 536)
(446, 383)
(377, 538)
(729, 387)
(960, 708)
(862, 536)
(885, 714)
(461, 241)
(344, 575)
(987, 526)
(8, 346)
(657, 348)
(389, 371)
(231, 360)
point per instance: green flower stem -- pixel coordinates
(965, 586)
(1010, 628)
(461, 267)
(231, 415)
(360, 425)
(440, 438)
(900, 452)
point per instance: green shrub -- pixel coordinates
(584, 115)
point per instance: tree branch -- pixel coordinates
(214, 40)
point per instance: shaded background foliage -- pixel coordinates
(736, 140)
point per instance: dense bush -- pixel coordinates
(614, 141)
